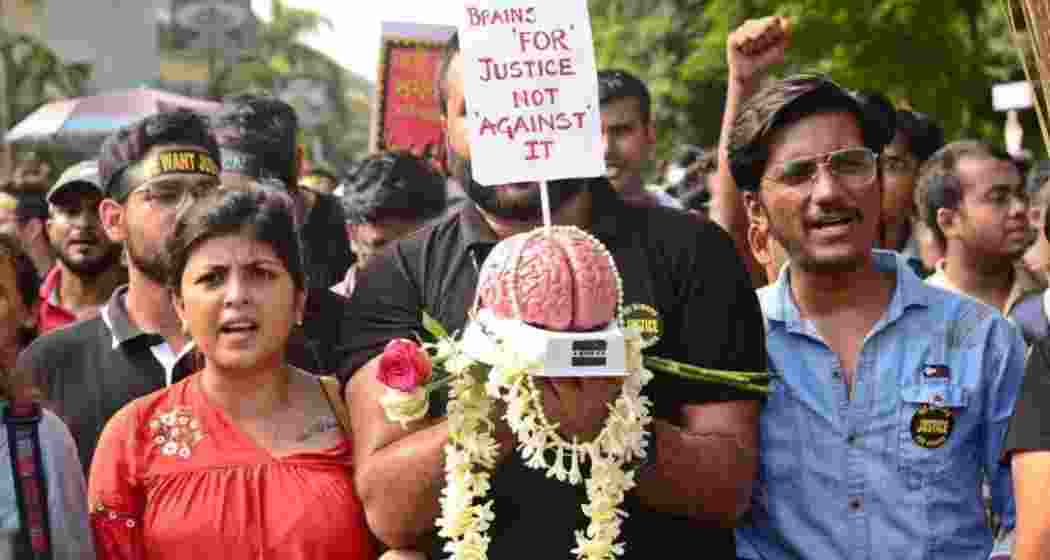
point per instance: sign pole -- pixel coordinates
(545, 202)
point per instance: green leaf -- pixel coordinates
(433, 327)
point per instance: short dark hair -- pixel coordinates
(614, 84)
(393, 184)
(441, 84)
(925, 136)
(130, 144)
(1038, 175)
(265, 218)
(788, 101)
(264, 128)
(29, 205)
(939, 185)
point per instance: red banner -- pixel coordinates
(406, 112)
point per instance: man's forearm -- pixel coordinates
(706, 476)
(400, 484)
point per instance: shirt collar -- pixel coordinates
(778, 304)
(606, 209)
(49, 289)
(1024, 283)
(115, 315)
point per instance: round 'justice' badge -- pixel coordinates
(647, 320)
(931, 426)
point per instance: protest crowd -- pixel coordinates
(210, 350)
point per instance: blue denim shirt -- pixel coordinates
(841, 475)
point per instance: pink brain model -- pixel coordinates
(561, 280)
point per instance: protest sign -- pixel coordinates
(405, 114)
(531, 89)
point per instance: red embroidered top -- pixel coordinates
(174, 478)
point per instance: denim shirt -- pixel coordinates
(842, 476)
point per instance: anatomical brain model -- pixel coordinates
(561, 279)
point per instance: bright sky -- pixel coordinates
(354, 41)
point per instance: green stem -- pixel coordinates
(672, 366)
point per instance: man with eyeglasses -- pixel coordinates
(88, 266)
(972, 196)
(916, 138)
(136, 345)
(893, 396)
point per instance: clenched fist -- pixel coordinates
(756, 45)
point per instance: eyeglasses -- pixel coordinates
(170, 194)
(854, 167)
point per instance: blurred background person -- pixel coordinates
(253, 446)
(64, 515)
(23, 215)
(973, 198)
(629, 134)
(62, 472)
(32, 173)
(88, 266)
(391, 195)
(18, 300)
(257, 138)
(1037, 258)
(917, 138)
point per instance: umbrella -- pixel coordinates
(86, 121)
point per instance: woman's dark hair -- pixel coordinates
(258, 213)
(27, 282)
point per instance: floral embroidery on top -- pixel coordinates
(176, 432)
(100, 511)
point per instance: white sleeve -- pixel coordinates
(66, 492)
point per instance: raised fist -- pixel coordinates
(756, 45)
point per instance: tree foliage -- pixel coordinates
(32, 74)
(938, 56)
(280, 56)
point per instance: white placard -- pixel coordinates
(1012, 95)
(531, 86)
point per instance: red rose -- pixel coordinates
(404, 365)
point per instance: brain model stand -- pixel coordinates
(548, 304)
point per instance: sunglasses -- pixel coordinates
(854, 167)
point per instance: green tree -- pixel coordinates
(938, 56)
(279, 57)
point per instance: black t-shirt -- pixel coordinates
(1029, 430)
(687, 270)
(89, 370)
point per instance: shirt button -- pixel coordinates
(854, 504)
(851, 439)
(836, 373)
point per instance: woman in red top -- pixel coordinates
(245, 459)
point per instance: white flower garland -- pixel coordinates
(472, 451)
